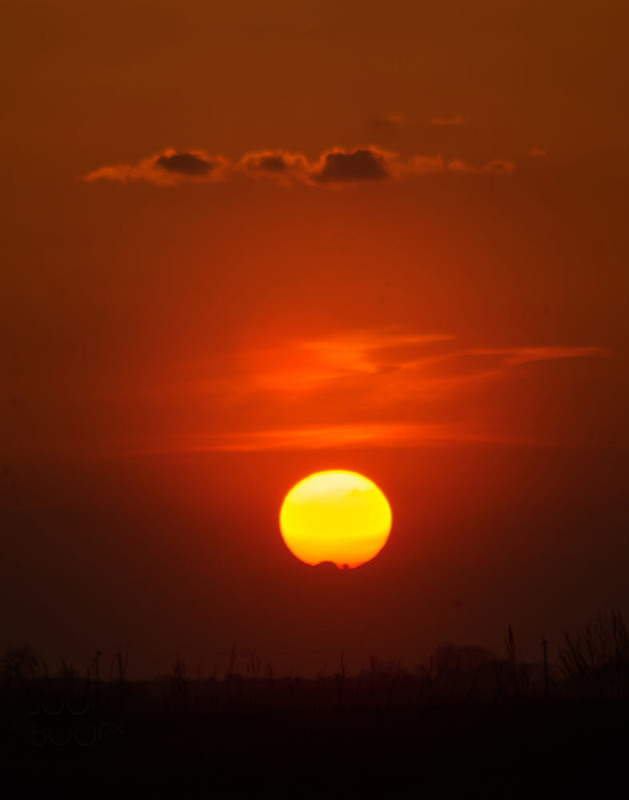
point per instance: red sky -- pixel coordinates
(244, 241)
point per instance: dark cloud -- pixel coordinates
(363, 164)
(185, 163)
(275, 164)
(272, 164)
(168, 168)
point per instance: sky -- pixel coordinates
(245, 241)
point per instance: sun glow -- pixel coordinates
(335, 516)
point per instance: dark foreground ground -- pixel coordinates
(118, 744)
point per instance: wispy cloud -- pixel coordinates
(529, 355)
(385, 369)
(496, 166)
(368, 388)
(323, 437)
(311, 365)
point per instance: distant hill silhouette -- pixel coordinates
(328, 566)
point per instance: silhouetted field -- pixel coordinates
(466, 723)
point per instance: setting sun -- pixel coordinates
(336, 516)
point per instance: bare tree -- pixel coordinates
(596, 658)
(19, 663)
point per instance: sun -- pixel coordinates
(335, 516)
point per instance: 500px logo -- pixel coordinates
(84, 734)
(64, 722)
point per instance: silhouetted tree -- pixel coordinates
(19, 663)
(596, 658)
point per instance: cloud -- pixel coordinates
(350, 166)
(165, 169)
(187, 163)
(277, 165)
(325, 437)
(319, 437)
(272, 161)
(428, 165)
(335, 167)
(497, 166)
(377, 371)
(371, 388)
(537, 152)
(529, 355)
(374, 369)
(116, 173)
(307, 366)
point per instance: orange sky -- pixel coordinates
(244, 241)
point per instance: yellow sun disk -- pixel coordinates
(335, 516)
